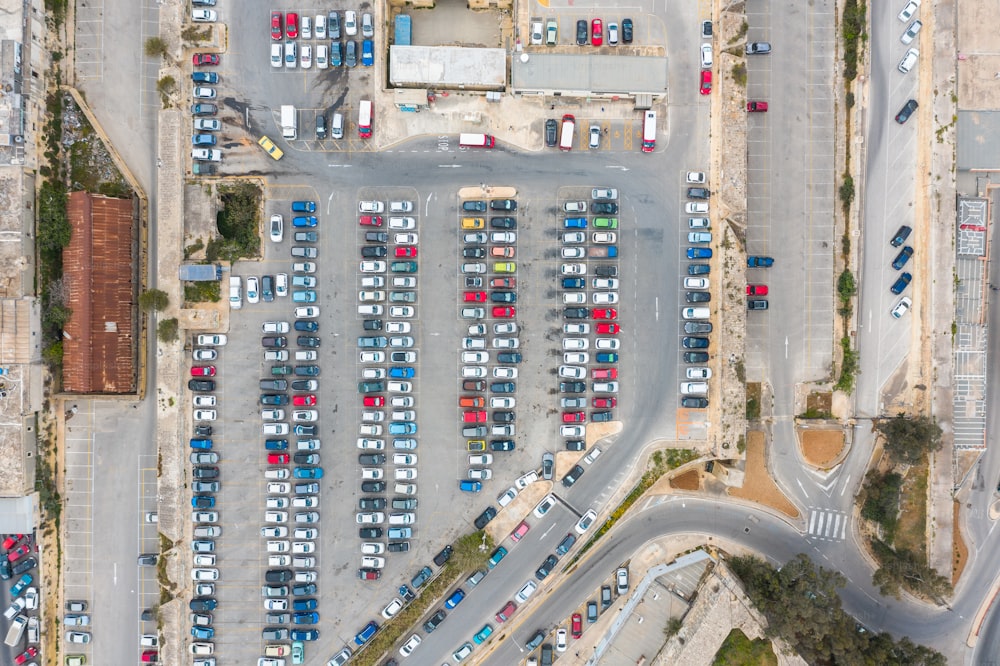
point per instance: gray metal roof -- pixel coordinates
(590, 74)
(448, 67)
(978, 135)
(17, 515)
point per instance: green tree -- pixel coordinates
(907, 439)
(882, 501)
(156, 47)
(153, 300)
(167, 329)
(904, 569)
(54, 230)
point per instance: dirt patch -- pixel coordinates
(758, 485)
(820, 402)
(912, 531)
(690, 480)
(821, 448)
(958, 547)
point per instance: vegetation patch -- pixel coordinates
(167, 330)
(738, 650)
(238, 222)
(739, 73)
(852, 29)
(209, 291)
(880, 501)
(753, 401)
(848, 366)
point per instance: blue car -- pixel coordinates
(304, 604)
(203, 140)
(470, 486)
(308, 473)
(455, 599)
(304, 296)
(482, 634)
(899, 285)
(607, 357)
(203, 501)
(307, 325)
(903, 257)
(203, 444)
(575, 223)
(304, 206)
(422, 577)
(202, 632)
(275, 444)
(365, 634)
(336, 54)
(401, 372)
(367, 53)
(574, 283)
(760, 262)
(699, 253)
(309, 221)
(305, 635)
(402, 428)
(205, 77)
(305, 618)
(497, 555)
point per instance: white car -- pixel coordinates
(576, 329)
(373, 548)
(706, 56)
(370, 206)
(212, 340)
(410, 645)
(204, 574)
(605, 387)
(274, 327)
(526, 591)
(574, 237)
(204, 354)
(281, 284)
(586, 521)
(572, 372)
(322, 59)
(202, 400)
(911, 32)
(392, 608)
(404, 459)
(276, 604)
(372, 357)
(573, 269)
(575, 206)
(402, 311)
(204, 92)
(506, 343)
(404, 282)
(574, 298)
(371, 296)
(373, 266)
(402, 223)
(291, 55)
(305, 27)
(909, 10)
(573, 253)
(276, 503)
(502, 403)
(303, 547)
(475, 357)
(481, 459)
(206, 155)
(370, 518)
(253, 290)
(505, 373)
(373, 281)
(206, 15)
(307, 312)
(902, 307)
(507, 497)
(695, 283)
(309, 415)
(536, 32)
(480, 474)
(275, 429)
(405, 474)
(695, 177)
(405, 239)
(605, 297)
(698, 373)
(275, 516)
(561, 640)
(279, 487)
(204, 415)
(351, 22)
(696, 207)
(505, 328)
(277, 228)
(572, 431)
(908, 61)
(371, 474)
(277, 55)
(575, 344)
(608, 343)
(503, 237)
(272, 414)
(576, 357)
(604, 237)
(543, 507)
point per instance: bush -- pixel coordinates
(881, 503)
(238, 222)
(154, 300)
(156, 47)
(167, 329)
(907, 439)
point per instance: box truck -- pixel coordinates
(476, 141)
(289, 123)
(568, 128)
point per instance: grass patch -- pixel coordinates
(194, 35)
(202, 292)
(912, 531)
(738, 650)
(753, 401)
(741, 34)
(167, 587)
(739, 73)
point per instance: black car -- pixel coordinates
(4, 568)
(699, 269)
(907, 110)
(551, 132)
(267, 288)
(695, 327)
(901, 235)
(370, 532)
(399, 357)
(605, 597)
(376, 237)
(278, 575)
(627, 31)
(473, 282)
(307, 341)
(474, 206)
(321, 125)
(485, 517)
(307, 370)
(900, 284)
(694, 403)
(576, 313)
(273, 399)
(572, 476)
(202, 604)
(698, 193)
(473, 385)
(503, 387)
(201, 385)
(273, 385)
(205, 472)
(274, 342)
(581, 32)
(474, 252)
(903, 257)
(566, 544)
(694, 343)
(203, 431)
(757, 304)
(572, 387)
(501, 445)
(371, 459)
(697, 296)
(546, 568)
(398, 546)
(503, 296)
(591, 611)
(599, 417)
(304, 590)
(351, 57)
(503, 204)
(436, 619)
(301, 385)
(305, 458)
(576, 445)
(605, 207)
(539, 636)
(606, 270)
(372, 324)
(374, 251)
(371, 503)
(306, 236)
(696, 357)
(503, 417)
(373, 486)
(509, 357)
(548, 462)
(443, 556)
(503, 223)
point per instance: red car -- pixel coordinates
(757, 107)
(604, 313)
(613, 329)
(474, 297)
(597, 32)
(504, 312)
(706, 82)
(604, 373)
(291, 24)
(203, 371)
(9, 542)
(370, 221)
(204, 59)
(26, 655)
(369, 574)
(606, 403)
(277, 458)
(373, 401)
(276, 26)
(520, 531)
(20, 551)
(506, 612)
(304, 400)
(503, 283)
(474, 417)
(408, 251)
(150, 657)
(574, 417)
(576, 626)
(756, 290)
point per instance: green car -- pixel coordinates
(280, 370)
(483, 634)
(298, 652)
(606, 223)
(403, 267)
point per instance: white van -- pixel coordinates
(567, 132)
(337, 126)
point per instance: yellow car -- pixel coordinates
(270, 148)
(473, 223)
(504, 267)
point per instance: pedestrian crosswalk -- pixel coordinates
(828, 525)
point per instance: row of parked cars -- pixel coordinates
(16, 561)
(289, 26)
(205, 515)
(697, 283)
(491, 353)
(387, 302)
(589, 231)
(203, 141)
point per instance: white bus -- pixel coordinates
(365, 119)
(649, 132)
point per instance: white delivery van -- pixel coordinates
(567, 132)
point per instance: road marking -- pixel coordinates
(449, 166)
(828, 525)
(802, 487)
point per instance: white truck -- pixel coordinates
(289, 122)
